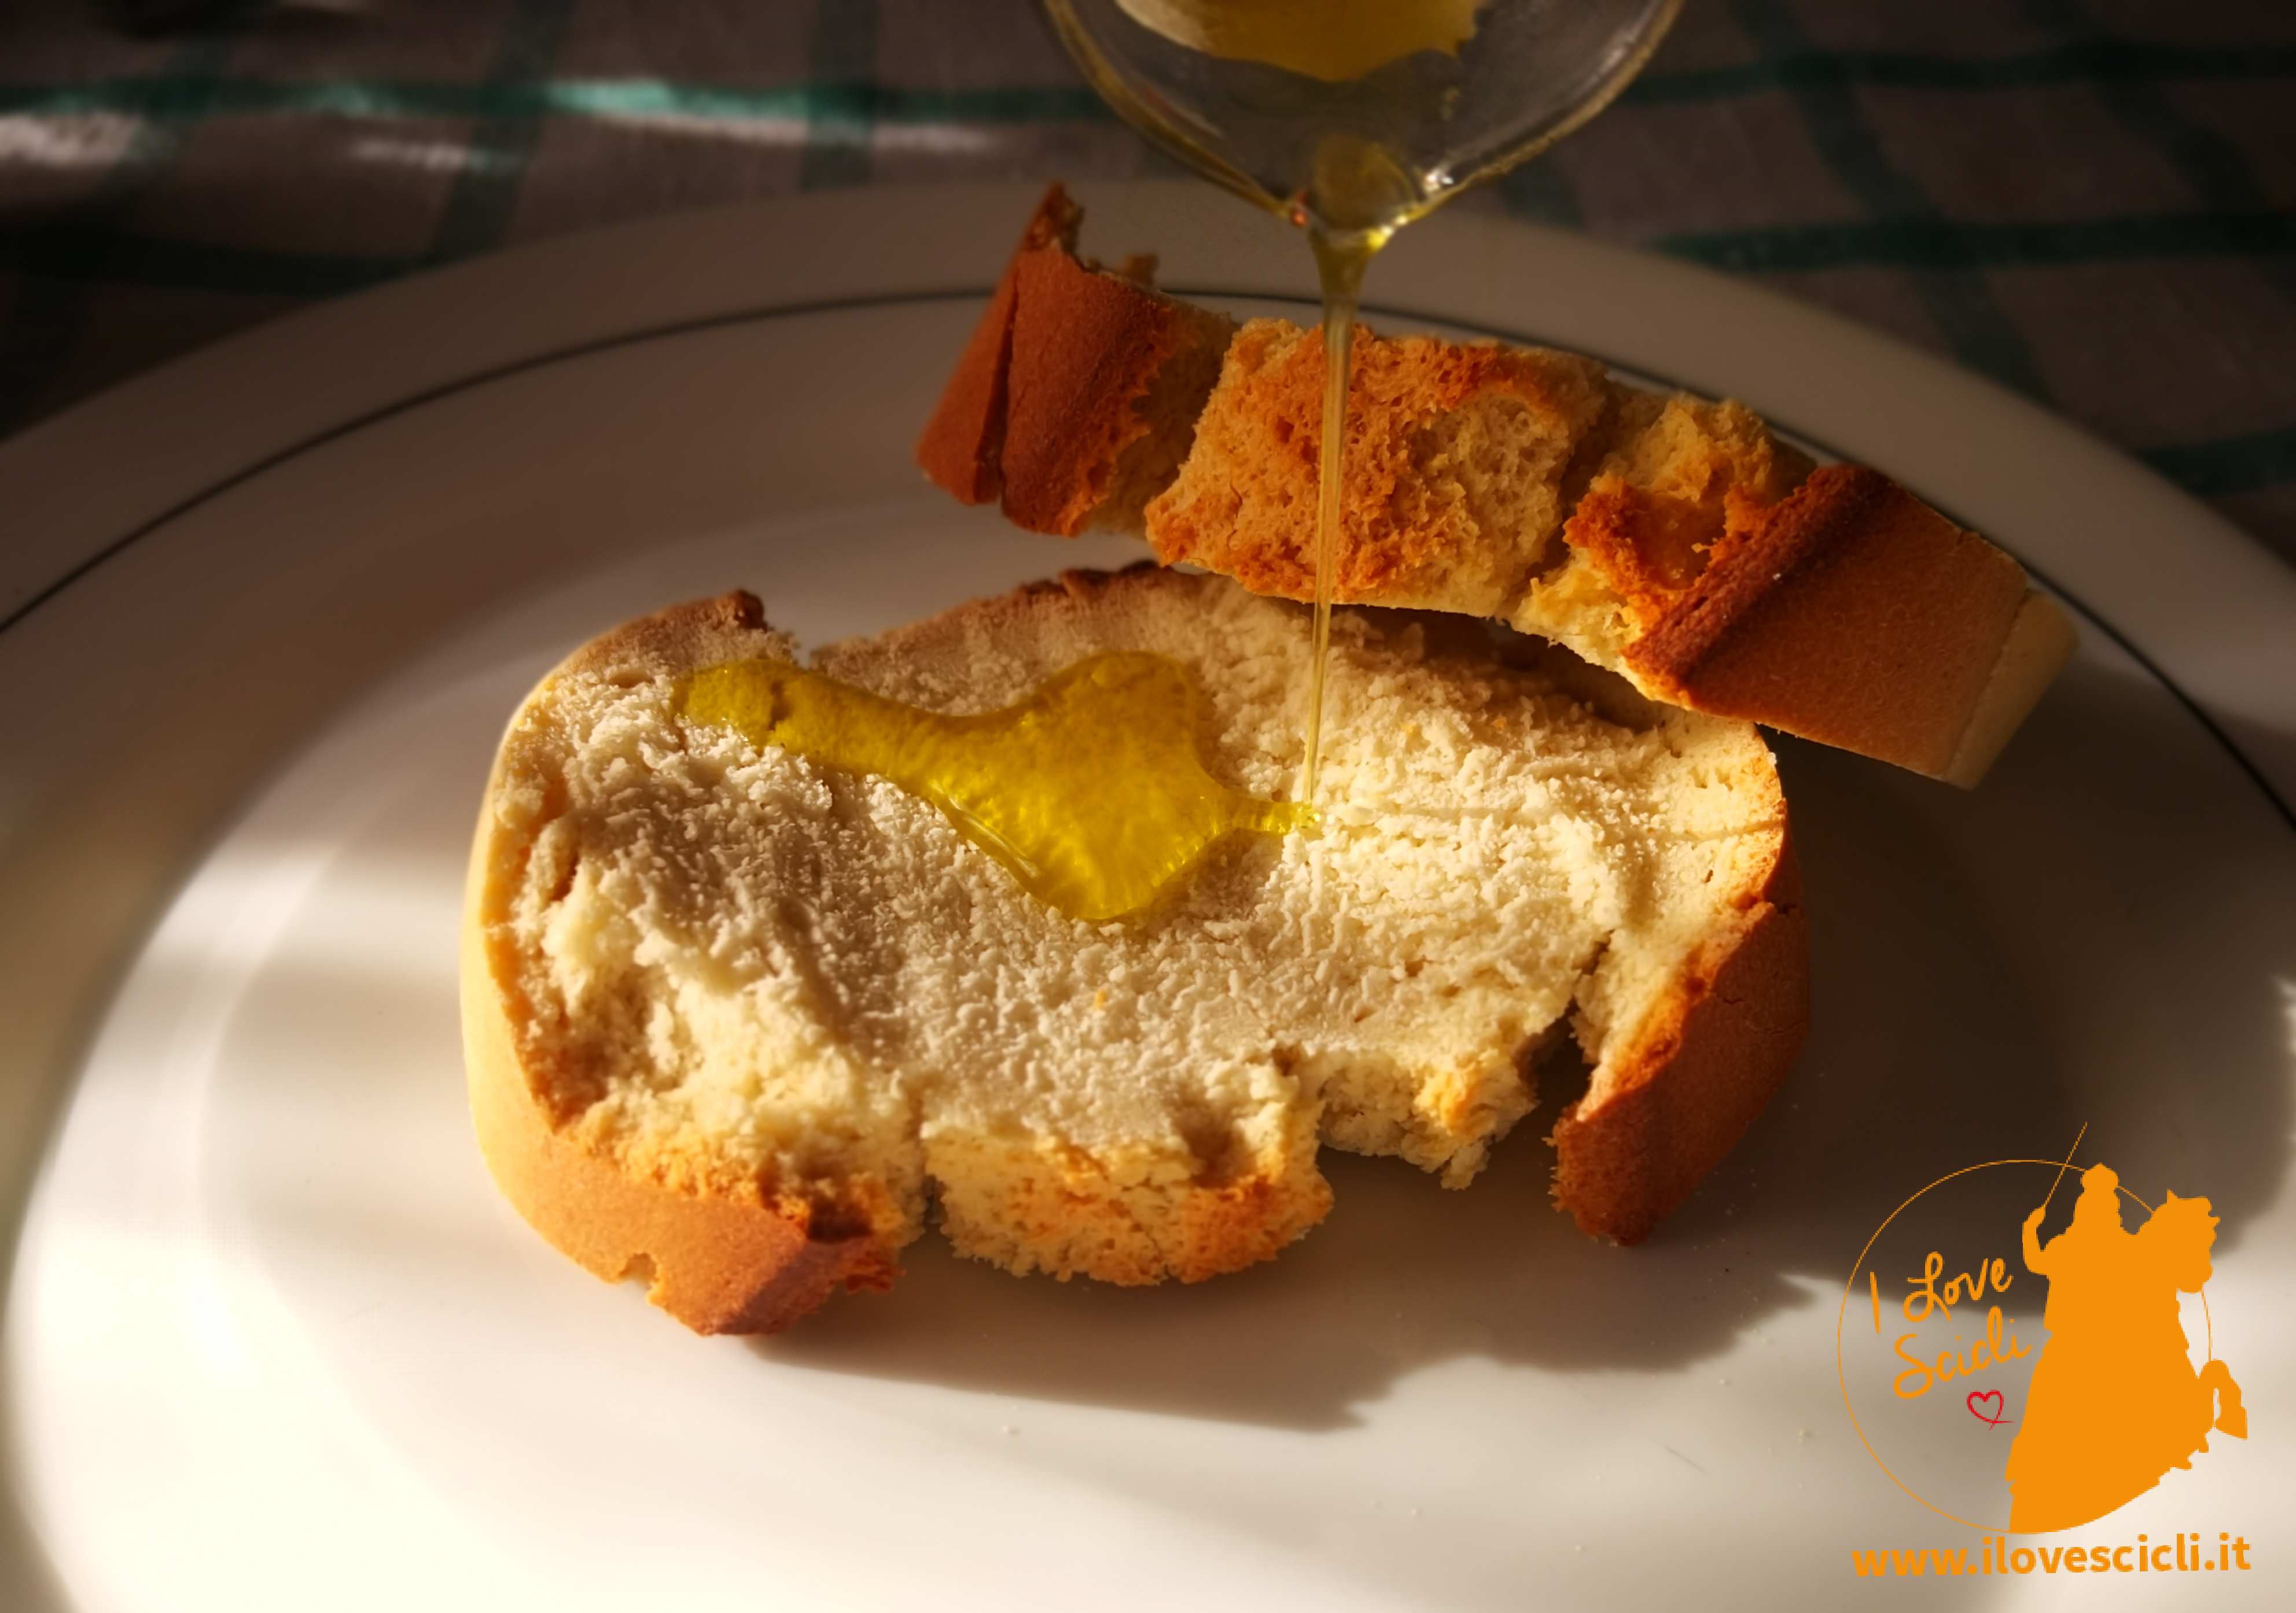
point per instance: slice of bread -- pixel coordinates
(735, 1021)
(1673, 540)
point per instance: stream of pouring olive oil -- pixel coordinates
(1092, 790)
(1364, 203)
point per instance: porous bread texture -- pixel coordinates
(1076, 396)
(1464, 462)
(735, 1019)
(1458, 460)
(1515, 483)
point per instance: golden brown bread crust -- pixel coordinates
(1041, 406)
(1665, 1112)
(1852, 614)
(1084, 345)
(962, 449)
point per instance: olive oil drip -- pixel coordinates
(1091, 790)
(1362, 197)
(1342, 276)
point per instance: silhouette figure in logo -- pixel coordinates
(2114, 1401)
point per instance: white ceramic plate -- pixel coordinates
(272, 1341)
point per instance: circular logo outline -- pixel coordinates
(1842, 1317)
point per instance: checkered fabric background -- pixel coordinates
(2091, 200)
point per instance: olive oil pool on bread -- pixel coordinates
(1090, 790)
(1351, 118)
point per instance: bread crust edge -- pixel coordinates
(1857, 617)
(1664, 1110)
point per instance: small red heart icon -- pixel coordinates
(1988, 1406)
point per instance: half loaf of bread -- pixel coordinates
(1673, 540)
(734, 1021)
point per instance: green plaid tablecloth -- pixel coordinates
(2091, 200)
